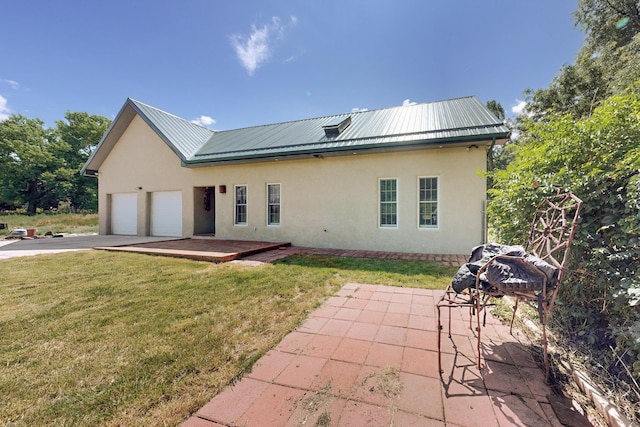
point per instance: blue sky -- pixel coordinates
(231, 64)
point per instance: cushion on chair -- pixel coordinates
(526, 273)
(504, 273)
(480, 255)
(465, 277)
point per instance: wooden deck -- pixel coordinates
(211, 250)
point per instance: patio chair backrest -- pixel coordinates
(552, 230)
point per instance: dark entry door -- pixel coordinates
(204, 210)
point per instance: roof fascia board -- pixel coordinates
(316, 147)
(326, 140)
(343, 151)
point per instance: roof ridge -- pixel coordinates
(135, 101)
(344, 114)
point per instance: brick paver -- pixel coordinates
(366, 357)
(220, 250)
(283, 252)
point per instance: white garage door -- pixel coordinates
(124, 214)
(166, 213)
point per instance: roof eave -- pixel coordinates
(452, 142)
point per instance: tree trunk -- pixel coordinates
(32, 198)
(31, 208)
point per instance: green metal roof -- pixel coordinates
(431, 124)
(435, 123)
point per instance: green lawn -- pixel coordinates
(56, 223)
(102, 338)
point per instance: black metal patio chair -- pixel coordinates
(532, 275)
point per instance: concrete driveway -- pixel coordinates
(52, 245)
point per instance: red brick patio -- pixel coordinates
(367, 357)
(219, 250)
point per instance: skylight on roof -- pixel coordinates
(336, 126)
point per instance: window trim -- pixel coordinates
(235, 205)
(397, 205)
(279, 204)
(437, 203)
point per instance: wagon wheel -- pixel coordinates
(552, 230)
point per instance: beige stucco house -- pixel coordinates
(400, 179)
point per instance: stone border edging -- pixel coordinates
(608, 411)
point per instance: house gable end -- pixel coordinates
(181, 136)
(140, 158)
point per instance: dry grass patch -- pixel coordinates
(55, 223)
(389, 382)
(104, 338)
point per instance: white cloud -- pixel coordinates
(357, 110)
(5, 111)
(519, 108)
(256, 48)
(407, 102)
(204, 121)
(14, 84)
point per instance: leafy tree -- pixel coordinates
(496, 108)
(626, 66)
(29, 172)
(608, 23)
(607, 64)
(580, 87)
(577, 89)
(493, 153)
(78, 135)
(39, 167)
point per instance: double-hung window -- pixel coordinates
(388, 202)
(273, 204)
(428, 202)
(240, 217)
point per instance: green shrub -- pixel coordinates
(598, 158)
